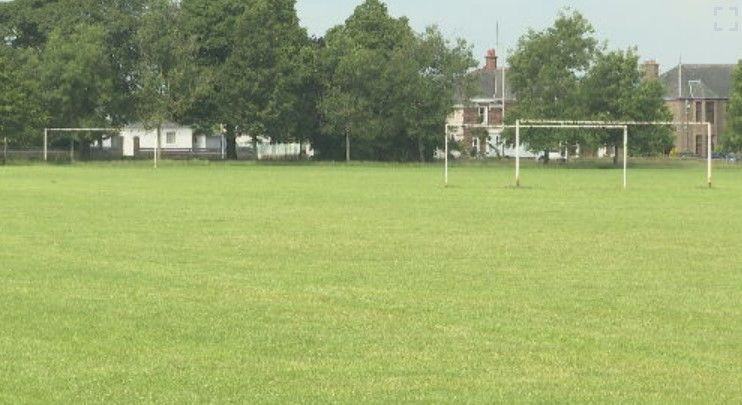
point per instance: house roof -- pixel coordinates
(699, 81)
(488, 85)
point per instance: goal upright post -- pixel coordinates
(517, 153)
(708, 125)
(445, 158)
(46, 142)
(625, 157)
(710, 157)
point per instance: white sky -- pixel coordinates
(701, 30)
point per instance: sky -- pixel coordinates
(699, 31)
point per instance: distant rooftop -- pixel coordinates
(699, 81)
(488, 83)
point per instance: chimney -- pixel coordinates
(491, 60)
(651, 70)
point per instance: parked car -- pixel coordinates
(553, 156)
(686, 154)
(719, 156)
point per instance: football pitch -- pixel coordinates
(369, 283)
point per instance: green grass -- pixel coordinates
(369, 283)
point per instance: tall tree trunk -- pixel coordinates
(546, 157)
(347, 146)
(421, 150)
(85, 150)
(255, 147)
(615, 155)
(231, 139)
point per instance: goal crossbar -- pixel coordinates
(577, 124)
(708, 125)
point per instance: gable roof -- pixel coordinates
(699, 81)
(488, 85)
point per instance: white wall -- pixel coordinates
(148, 137)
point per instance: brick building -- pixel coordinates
(695, 94)
(490, 100)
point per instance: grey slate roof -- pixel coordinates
(488, 84)
(699, 81)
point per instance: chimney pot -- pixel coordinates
(491, 60)
(651, 70)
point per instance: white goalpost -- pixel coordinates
(48, 131)
(566, 124)
(707, 125)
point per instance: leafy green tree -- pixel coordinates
(387, 89)
(353, 64)
(164, 76)
(563, 73)
(615, 90)
(425, 75)
(31, 25)
(21, 116)
(78, 80)
(733, 137)
(546, 68)
(263, 79)
(256, 62)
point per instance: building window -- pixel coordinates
(710, 111)
(170, 138)
(699, 144)
(481, 114)
(699, 111)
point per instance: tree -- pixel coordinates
(562, 73)
(614, 89)
(30, 25)
(387, 89)
(733, 138)
(252, 55)
(164, 76)
(546, 68)
(426, 75)
(354, 60)
(79, 84)
(20, 111)
(263, 78)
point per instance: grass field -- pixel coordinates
(369, 283)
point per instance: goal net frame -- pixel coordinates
(576, 124)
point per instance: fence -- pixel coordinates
(68, 150)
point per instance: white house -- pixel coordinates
(173, 138)
(176, 139)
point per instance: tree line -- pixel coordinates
(565, 72)
(371, 85)
(237, 67)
